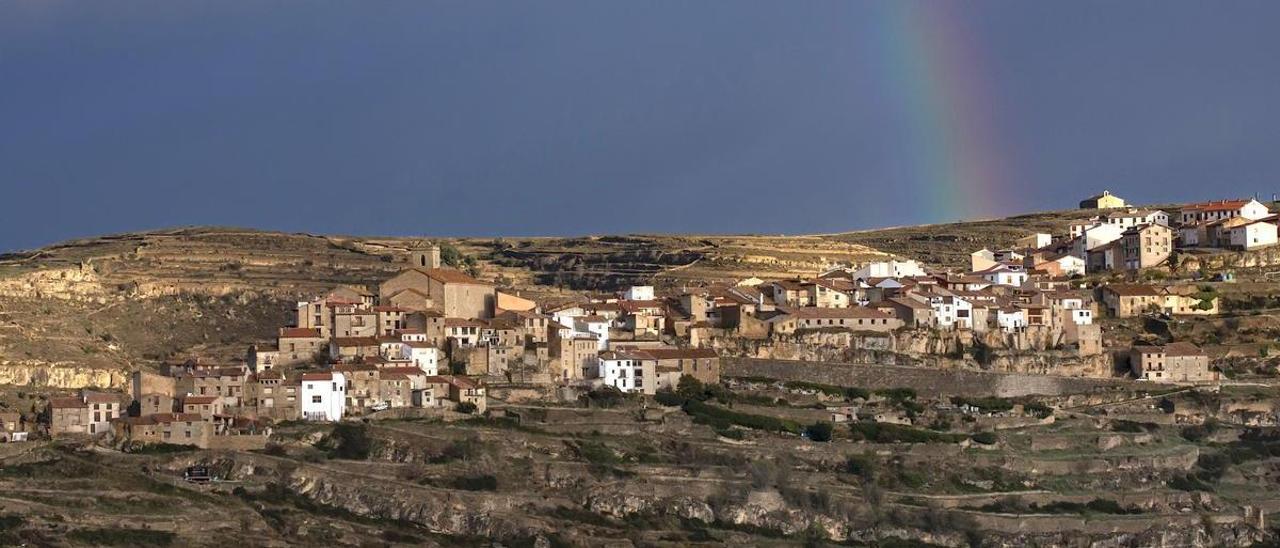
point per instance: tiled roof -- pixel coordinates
(299, 333)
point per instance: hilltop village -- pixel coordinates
(436, 339)
(1111, 373)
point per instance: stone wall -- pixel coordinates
(925, 381)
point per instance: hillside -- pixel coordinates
(119, 300)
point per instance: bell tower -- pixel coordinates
(425, 257)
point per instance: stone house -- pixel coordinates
(1129, 300)
(700, 363)
(1146, 246)
(1174, 362)
(299, 345)
(270, 394)
(87, 413)
(204, 406)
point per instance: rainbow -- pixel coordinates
(934, 76)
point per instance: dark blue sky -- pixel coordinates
(548, 118)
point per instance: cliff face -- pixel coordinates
(61, 376)
(1034, 351)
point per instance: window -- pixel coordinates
(317, 399)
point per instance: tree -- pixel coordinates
(691, 388)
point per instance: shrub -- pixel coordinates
(897, 394)
(482, 482)
(465, 407)
(880, 432)
(1199, 432)
(668, 398)
(985, 438)
(721, 418)
(605, 397)
(819, 431)
(863, 466)
(347, 441)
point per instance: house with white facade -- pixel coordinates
(422, 355)
(323, 396)
(597, 326)
(1034, 241)
(1135, 217)
(1253, 235)
(1093, 237)
(638, 293)
(1222, 209)
(628, 372)
(1065, 265)
(1011, 319)
(951, 312)
(889, 269)
(1003, 274)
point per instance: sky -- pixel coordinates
(486, 118)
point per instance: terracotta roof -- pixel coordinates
(1221, 205)
(407, 371)
(100, 397)
(299, 333)
(835, 313)
(1172, 349)
(317, 376)
(199, 399)
(347, 342)
(67, 403)
(449, 276)
(463, 322)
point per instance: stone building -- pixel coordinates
(449, 291)
(1173, 362)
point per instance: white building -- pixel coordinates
(594, 325)
(323, 396)
(1034, 241)
(628, 372)
(889, 269)
(1011, 319)
(423, 355)
(951, 312)
(1070, 265)
(566, 315)
(1094, 237)
(1134, 217)
(1003, 274)
(639, 293)
(1080, 316)
(1222, 209)
(1253, 235)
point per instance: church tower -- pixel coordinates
(425, 257)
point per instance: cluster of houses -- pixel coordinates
(436, 337)
(882, 297)
(429, 327)
(1122, 238)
